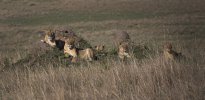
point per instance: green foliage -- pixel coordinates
(141, 52)
(112, 51)
(82, 43)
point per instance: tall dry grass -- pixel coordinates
(29, 71)
(147, 79)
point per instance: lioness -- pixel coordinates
(123, 50)
(71, 50)
(56, 38)
(51, 39)
(78, 41)
(170, 54)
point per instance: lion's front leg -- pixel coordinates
(74, 59)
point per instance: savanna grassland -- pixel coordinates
(30, 70)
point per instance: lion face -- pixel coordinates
(170, 54)
(50, 35)
(168, 47)
(49, 38)
(99, 48)
(123, 50)
(69, 43)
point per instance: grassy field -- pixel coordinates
(30, 70)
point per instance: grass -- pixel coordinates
(71, 17)
(156, 80)
(30, 70)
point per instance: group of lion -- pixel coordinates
(72, 45)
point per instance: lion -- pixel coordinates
(170, 54)
(100, 51)
(123, 50)
(99, 48)
(123, 42)
(49, 38)
(71, 50)
(79, 42)
(56, 38)
(53, 39)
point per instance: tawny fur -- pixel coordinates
(99, 48)
(49, 38)
(53, 39)
(56, 38)
(123, 50)
(69, 48)
(170, 54)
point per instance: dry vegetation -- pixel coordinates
(30, 70)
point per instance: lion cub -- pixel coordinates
(123, 42)
(123, 50)
(100, 51)
(170, 54)
(99, 48)
(71, 50)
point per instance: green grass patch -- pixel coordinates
(70, 17)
